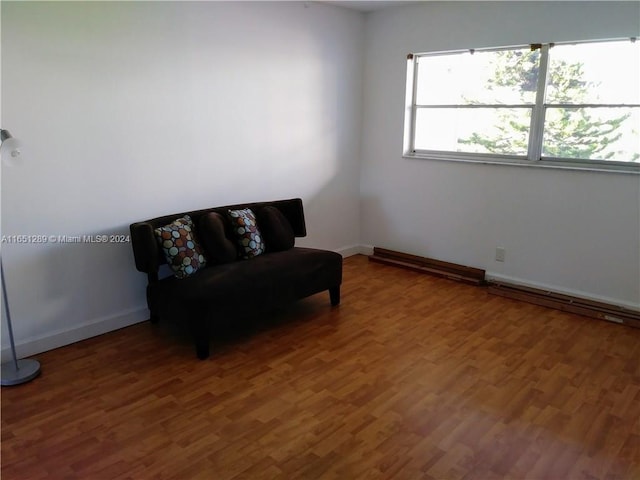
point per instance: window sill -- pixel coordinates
(558, 164)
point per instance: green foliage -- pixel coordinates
(516, 67)
(589, 137)
(569, 132)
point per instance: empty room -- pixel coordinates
(320, 240)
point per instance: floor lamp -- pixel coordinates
(24, 370)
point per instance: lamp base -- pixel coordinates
(27, 370)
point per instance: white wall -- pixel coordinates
(134, 109)
(129, 110)
(577, 232)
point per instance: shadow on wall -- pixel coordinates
(290, 127)
(74, 280)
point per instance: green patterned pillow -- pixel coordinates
(180, 248)
(249, 237)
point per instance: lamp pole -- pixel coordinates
(16, 371)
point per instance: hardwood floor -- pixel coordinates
(411, 377)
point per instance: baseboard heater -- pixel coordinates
(567, 303)
(452, 271)
(476, 276)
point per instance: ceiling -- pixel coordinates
(369, 6)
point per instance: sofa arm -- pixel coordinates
(145, 247)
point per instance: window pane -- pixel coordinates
(606, 72)
(508, 77)
(473, 130)
(593, 133)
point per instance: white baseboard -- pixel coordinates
(562, 290)
(62, 337)
(368, 250)
(355, 250)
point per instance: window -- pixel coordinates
(569, 105)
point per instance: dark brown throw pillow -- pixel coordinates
(276, 229)
(212, 235)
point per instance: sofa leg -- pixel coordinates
(202, 349)
(200, 336)
(334, 295)
(153, 312)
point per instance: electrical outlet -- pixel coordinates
(500, 254)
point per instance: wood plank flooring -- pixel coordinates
(411, 377)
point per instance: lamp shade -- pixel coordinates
(10, 152)
(4, 135)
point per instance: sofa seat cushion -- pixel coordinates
(267, 278)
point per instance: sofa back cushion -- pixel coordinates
(276, 229)
(149, 255)
(214, 233)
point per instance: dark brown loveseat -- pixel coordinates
(283, 273)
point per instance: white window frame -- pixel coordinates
(534, 156)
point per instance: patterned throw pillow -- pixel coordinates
(245, 227)
(180, 248)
